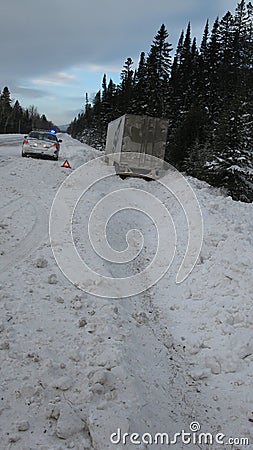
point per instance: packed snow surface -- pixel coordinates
(78, 371)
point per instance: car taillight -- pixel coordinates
(25, 142)
(55, 145)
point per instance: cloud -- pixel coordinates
(50, 36)
(29, 92)
(58, 79)
(110, 67)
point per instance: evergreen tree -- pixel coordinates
(104, 88)
(112, 107)
(126, 86)
(88, 112)
(158, 66)
(17, 118)
(203, 68)
(5, 110)
(213, 63)
(173, 104)
(140, 94)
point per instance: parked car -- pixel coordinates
(41, 143)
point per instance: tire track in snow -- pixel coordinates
(12, 141)
(32, 239)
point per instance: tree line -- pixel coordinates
(205, 93)
(15, 119)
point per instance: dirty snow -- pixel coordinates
(76, 368)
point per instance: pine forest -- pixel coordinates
(15, 119)
(205, 92)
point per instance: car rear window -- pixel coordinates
(41, 136)
(51, 137)
(34, 135)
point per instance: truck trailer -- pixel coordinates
(135, 145)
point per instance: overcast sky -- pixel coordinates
(53, 51)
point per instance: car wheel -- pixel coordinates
(24, 155)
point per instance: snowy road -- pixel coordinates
(22, 205)
(28, 187)
(75, 368)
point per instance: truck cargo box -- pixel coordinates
(135, 145)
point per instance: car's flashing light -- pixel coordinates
(52, 131)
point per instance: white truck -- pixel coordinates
(135, 145)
